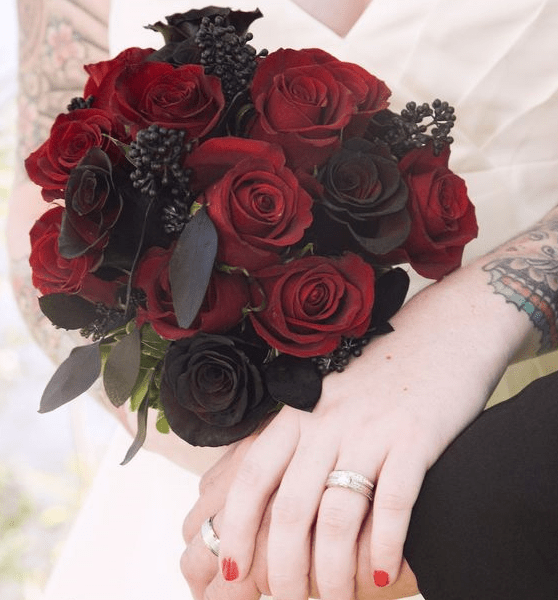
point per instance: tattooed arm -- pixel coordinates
(525, 272)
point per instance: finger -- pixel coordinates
(199, 566)
(256, 480)
(219, 589)
(340, 520)
(214, 486)
(397, 489)
(293, 514)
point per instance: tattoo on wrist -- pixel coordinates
(526, 274)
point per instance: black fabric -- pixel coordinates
(485, 526)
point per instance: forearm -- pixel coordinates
(501, 307)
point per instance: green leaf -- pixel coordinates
(141, 387)
(122, 367)
(141, 433)
(191, 265)
(73, 377)
(152, 344)
(162, 423)
(68, 311)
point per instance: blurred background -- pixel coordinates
(47, 462)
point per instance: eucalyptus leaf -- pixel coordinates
(191, 265)
(67, 311)
(122, 367)
(141, 432)
(73, 377)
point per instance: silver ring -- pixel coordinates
(209, 536)
(351, 480)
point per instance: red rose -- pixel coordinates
(102, 76)
(255, 202)
(310, 303)
(103, 73)
(72, 135)
(221, 310)
(442, 216)
(54, 274)
(305, 99)
(179, 98)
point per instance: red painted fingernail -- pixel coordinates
(229, 569)
(381, 578)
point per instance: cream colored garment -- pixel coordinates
(496, 63)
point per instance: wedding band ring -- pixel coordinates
(209, 537)
(351, 480)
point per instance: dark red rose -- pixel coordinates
(255, 202)
(442, 216)
(72, 135)
(212, 391)
(93, 206)
(181, 30)
(226, 296)
(305, 99)
(365, 196)
(310, 303)
(54, 274)
(180, 98)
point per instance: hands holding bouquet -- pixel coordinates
(225, 228)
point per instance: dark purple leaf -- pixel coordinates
(294, 381)
(73, 377)
(67, 311)
(390, 291)
(122, 368)
(191, 265)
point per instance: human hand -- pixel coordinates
(201, 568)
(389, 416)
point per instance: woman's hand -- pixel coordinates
(201, 568)
(389, 416)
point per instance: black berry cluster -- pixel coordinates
(158, 155)
(78, 102)
(337, 360)
(106, 320)
(227, 55)
(408, 130)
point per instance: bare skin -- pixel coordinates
(340, 17)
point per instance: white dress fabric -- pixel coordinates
(496, 63)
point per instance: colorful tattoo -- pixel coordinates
(527, 276)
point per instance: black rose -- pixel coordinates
(212, 390)
(93, 206)
(181, 30)
(363, 204)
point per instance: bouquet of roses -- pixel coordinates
(225, 224)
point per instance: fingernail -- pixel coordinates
(229, 569)
(381, 578)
